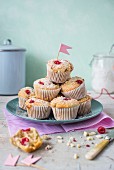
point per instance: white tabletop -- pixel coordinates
(61, 156)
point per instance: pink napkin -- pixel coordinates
(15, 123)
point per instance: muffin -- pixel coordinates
(74, 88)
(58, 71)
(27, 139)
(23, 95)
(64, 108)
(85, 105)
(37, 108)
(45, 89)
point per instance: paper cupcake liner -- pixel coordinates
(84, 108)
(65, 113)
(39, 112)
(58, 77)
(46, 95)
(22, 103)
(76, 93)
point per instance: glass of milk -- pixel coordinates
(103, 72)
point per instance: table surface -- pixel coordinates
(61, 156)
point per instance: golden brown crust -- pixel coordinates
(86, 98)
(64, 66)
(45, 84)
(34, 140)
(63, 102)
(26, 92)
(71, 84)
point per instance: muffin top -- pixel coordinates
(36, 102)
(26, 92)
(26, 137)
(59, 65)
(86, 98)
(46, 84)
(71, 84)
(63, 102)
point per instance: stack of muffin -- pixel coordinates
(66, 96)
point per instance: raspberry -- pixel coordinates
(27, 91)
(79, 81)
(26, 130)
(66, 99)
(24, 140)
(57, 62)
(31, 101)
(40, 82)
(87, 145)
(101, 130)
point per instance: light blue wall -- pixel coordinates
(41, 25)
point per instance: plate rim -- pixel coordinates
(55, 121)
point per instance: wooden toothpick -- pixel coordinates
(32, 165)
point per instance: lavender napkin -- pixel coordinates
(14, 123)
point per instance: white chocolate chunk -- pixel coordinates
(59, 137)
(78, 146)
(46, 137)
(90, 138)
(76, 156)
(72, 145)
(48, 147)
(86, 134)
(99, 136)
(92, 133)
(68, 143)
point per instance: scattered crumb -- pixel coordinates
(48, 147)
(86, 134)
(78, 146)
(46, 137)
(72, 145)
(90, 138)
(59, 137)
(92, 133)
(99, 136)
(76, 156)
(87, 145)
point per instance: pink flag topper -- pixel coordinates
(30, 160)
(64, 48)
(11, 161)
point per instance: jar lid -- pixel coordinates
(7, 47)
(103, 55)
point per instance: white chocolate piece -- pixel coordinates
(60, 141)
(86, 134)
(76, 156)
(99, 136)
(72, 145)
(59, 137)
(92, 133)
(90, 138)
(78, 146)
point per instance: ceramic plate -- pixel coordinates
(13, 107)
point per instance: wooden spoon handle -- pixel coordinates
(97, 149)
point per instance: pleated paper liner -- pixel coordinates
(22, 103)
(58, 77)
(46, 95)
(65, 113)
(84, 108)
(39, 112)
(76, 93)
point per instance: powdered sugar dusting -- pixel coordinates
(64, 64)
(47, 83)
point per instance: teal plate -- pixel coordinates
(13, 107)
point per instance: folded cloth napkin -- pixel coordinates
(15, 123)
